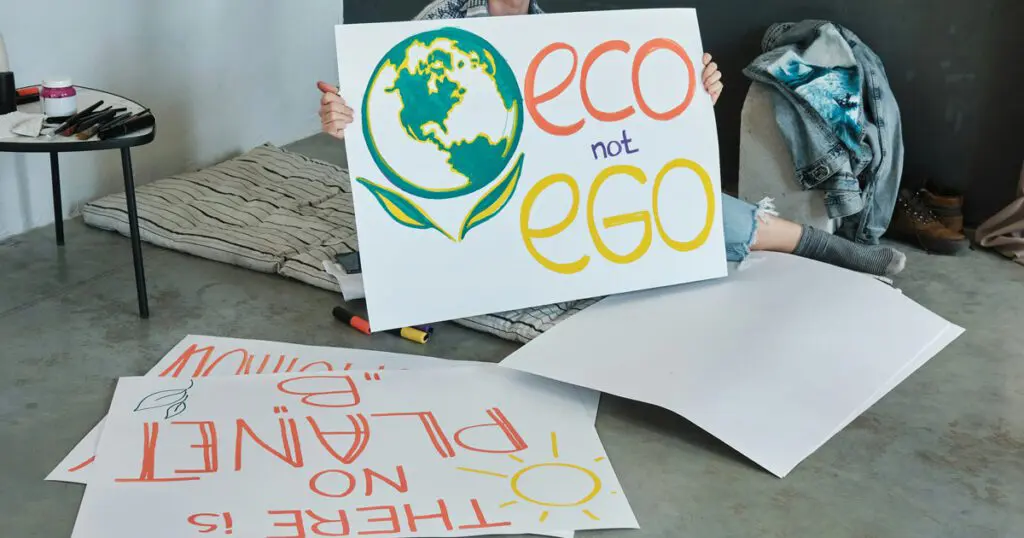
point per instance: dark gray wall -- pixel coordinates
(954, 65)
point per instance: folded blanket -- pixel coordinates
(275, 211)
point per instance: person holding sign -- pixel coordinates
(747, 227)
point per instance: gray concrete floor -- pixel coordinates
(941, 456)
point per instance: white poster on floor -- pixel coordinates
(492, 172)
(445, 452)
(774, 360)
(199, 356)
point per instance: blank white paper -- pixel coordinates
(774, 360)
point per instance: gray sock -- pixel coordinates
(824, 247)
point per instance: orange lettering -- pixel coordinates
(289, 455)
(500, 422)
(328, 367)
(314, 483)
(246, 360)
(82, 465)
(437, 436)
(148, 474)
(532, 100)
(482, 522)
(208, 431)
(206, 527)
(402, 486)
(641, 54)
(324, 398)
(295, 523)
(599, 51)
(360, 437)
(342, 521)
(392, 518)
(176, 367)
(442, 515)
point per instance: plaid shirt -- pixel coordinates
(461, 9)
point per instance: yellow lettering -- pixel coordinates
(529, 234)
(619, 220)
(709, 192)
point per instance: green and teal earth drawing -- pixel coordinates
(448, 101)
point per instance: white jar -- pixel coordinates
(59, 97)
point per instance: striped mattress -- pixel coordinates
(275, 211)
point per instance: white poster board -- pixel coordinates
(774, 360)
(198, 356)
(446, 452)
(507, 162)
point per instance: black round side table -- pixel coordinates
(55, 145)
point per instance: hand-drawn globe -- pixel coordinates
(449, 104)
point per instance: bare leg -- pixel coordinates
(777, 235)
(780, 235)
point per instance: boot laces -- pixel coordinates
(917, 210)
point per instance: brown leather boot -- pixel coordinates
(947, 207)
(914, 223)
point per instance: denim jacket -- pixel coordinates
(837, 112)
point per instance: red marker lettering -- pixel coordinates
(291, 451)
(244, 357)
(588, 63)
(360, 437)
(295, 523)
(442, 515)
(434, 432)
(392, 518)
(208, 431)
(151, 430)
(401, 486)
(533, 100)
(316, 484)
(340, 390)
(500, 422)
(176, 367)
(341, 522)
(641, 54)
(482, 522)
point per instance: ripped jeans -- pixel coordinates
(740, 221)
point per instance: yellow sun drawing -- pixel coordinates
(583, 497)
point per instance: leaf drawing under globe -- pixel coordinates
(494, 201)
(164, 398)
(175, 410)
(403, 210)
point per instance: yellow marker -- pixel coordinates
(412, 334)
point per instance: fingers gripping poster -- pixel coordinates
(507, 162)
(453, 452)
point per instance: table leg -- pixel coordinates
(58, 206)
(133, 226)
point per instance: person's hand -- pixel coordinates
(335, 115)
(712, 79)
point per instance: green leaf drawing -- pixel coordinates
(494, 201)
(403, 210)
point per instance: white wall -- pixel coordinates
(221, 76)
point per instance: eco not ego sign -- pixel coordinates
(530, 234)
(416, 95)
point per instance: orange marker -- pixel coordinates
(355, 321)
